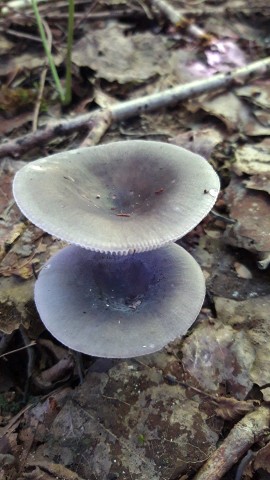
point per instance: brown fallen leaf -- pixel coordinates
(259, 182)
(19, 267)
(225, 353)
(251, 210)
(37, 474)
(58, 372)
(143, 55)
(256, 94)
(242, 271)
(9, 124)
(59, 471)
(249, 317)
(266, 394)
(14, 63)
(201, 141)
(253, 159)
(13, 100)
(228, 108)
(232, 409)
(14, 233)
(228, 408)
(262, 458)
(58, 352)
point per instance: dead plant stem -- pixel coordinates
(130, 108)
(179, 20)
(42, 79)
(244, 434)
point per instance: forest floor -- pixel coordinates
(199, 409)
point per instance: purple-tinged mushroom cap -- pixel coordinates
(119, 307)
(120, 197)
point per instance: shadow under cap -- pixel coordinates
(119, 307)
(120, 197)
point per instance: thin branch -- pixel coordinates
(124, 110)
(174, 95)
(243, 435)
(179, 20)
(42, 79)
(18, 34)
(31, 344)
(98, 130)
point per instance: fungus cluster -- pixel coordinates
(123, 288)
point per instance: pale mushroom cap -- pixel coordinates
(119, 307)
(120, 197)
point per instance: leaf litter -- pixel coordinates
(162, 416)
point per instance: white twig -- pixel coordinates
(243, 435)
(177, 19)
(174, 95)
(42, 79)
(137, 106)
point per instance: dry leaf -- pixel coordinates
(58, 471)
(253, 159)
(257, 94)
(266, 394)
(201, 141)
(143, 55)
(228, 108)
(226, 354)
(262, 459)
(251, 210)
(242, 271)
(232, 409)
(14, 233)
(259, 182)
(252, 316)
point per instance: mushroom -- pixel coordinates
(123, 197)
(120, 290)
(119, 306)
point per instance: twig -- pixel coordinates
(179, 20)
(30, 361)
(80, 21)
(41, 137)
(42, 79)
(92, 17)
(31, 344)
(18, 34)
(98, 130)
(244, 434)
(124, 110)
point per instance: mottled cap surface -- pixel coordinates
(120, 197)
(119, 307)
